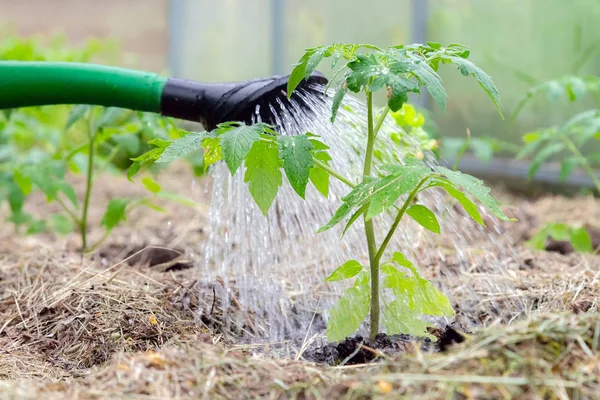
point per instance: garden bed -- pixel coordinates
(125, 323)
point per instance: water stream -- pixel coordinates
(271, 269)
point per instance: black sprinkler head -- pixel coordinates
(213, 103)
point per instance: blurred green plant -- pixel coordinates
(39, 146)
(579, 237)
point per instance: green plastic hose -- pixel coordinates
(29, 83)
(24, 83)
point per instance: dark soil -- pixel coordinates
(358, 350)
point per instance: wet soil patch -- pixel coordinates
(359, 350)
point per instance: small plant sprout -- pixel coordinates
(392, 187)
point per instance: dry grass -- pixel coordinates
(78, 328)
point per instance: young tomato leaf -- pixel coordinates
(296, 154)
(431, 80)
(133, 169)
(318, 176)
(467, 68)
(61, 224)
(151, 184)
(398, 318)
(542, 156)
(340, 93)
(67, 190)
(299, 72)
(263, 174)
(347, 270)
(355, 217)
(350, 311)
(581, 240)
(23, 181)
(182, 147)
(401, 180)
(212, 151)
(475, 188)
(237, 142)
(424, 217)
(115, 213)
(356, 198)
(463, 200)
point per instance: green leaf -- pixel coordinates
(237, 142)
(318, 176)
(151, 184)
(350, 311)
(181, 147)
(400, 319)
(475, 188)
(23, 181)
(296, 154)
(431, 80)
(467, 68)
(403, 179)
(355, 217)
(314, 60)
(567, 166)
(75, 114)
(212, 151)
(133, 169)
(464, 201)
(340, 92)
(424, 217)
(263, 174)
(356, 198)
(298, 73)
(61, 224)
(115, 213)
(542, 156)
(67, 190)
(399, 89)
(347, 270)
(581, 240)
(415, 292)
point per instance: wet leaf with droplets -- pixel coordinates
(296, 154)
(346, 316)
(237, 142)
(263, 174)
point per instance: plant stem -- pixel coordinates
(88, 189)
(66, 209)
(332, 172)
(380, 120)
(399, 216)
(369, 230)
(584, 163)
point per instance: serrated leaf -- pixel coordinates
(356, 198)
(581, 240)
(475, 188)
(362, 68)
(151, 184)
(402, 179)
(467, 68)
(340, 93)
(346, 316)
(236, 143)
(263, 174)
(431, 80)
(115, 213)
(296, 154)
(415, 292)
(399, 89)
(212, 151)
(75, 114)
(182, 147)
(424, 217)
(314, 60)
(347, 270)
(298, 73)
(400, 319)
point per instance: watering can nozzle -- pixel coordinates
(214, 103)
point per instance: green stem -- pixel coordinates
(88, 189)
(66, 209)
(380, 120)
(399, 216)
(584, 163)
(336, 175)
(369, 230)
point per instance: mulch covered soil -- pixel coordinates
(132, 322)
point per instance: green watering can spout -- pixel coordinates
(24, 83)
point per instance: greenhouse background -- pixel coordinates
(518, 42)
